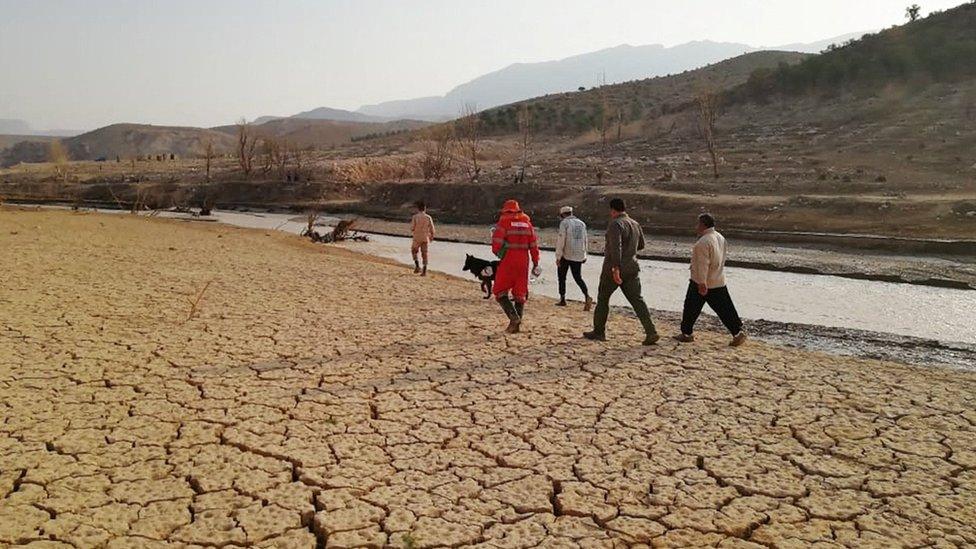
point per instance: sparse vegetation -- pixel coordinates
(468, 134)
(246, 145)
(707, 111)
(436, 160)
(940, 48)
(195, 303)
(59, 157)
(208, 158)
(525, 134)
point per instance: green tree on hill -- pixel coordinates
(911, 12)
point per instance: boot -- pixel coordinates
(513, 317)
(562, 301)
(416, 266)
(520, 309)
(424, 271)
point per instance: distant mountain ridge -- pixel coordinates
(623, 63)
(16, 126)
(327, 113)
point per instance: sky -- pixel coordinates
(82, 64)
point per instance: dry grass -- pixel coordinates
(195, 303)
(371, 170)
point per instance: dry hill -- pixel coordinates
(317, 134)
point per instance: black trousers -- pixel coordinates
(718, 299)
(575, 266)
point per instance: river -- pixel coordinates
(945, 315)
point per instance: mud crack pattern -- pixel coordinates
(325, 399)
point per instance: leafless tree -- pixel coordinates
(435, 162)
(620, 123)
(469, 138)
(269, 152)
(59, 157)
(300, 159)
(208, 154)
(246, 144)
(603, 125)
(707, 112)
(525, 131)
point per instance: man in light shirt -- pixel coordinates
(571, 254)
(422, 229)
(708, 284)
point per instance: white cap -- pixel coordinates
(566, 210)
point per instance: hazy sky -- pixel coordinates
(86, 63)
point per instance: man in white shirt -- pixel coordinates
(571, 254)
(708, 284)
(422, 230)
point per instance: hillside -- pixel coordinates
(622, 63)
(326, 113)
(134, 140)
(938, 48)
(324, 133)
(653, 97)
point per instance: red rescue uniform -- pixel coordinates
(515, 235)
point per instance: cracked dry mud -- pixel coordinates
(323, 398)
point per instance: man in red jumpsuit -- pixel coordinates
(513, 241)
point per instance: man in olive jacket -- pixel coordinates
(624, 239)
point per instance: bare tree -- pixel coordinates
(603, 125)
(707, 106)
(208, 154)
(299, 158)
(281, 157)
(269, 152)
(246, 143)
(435, 162)
(469, 138)
(59, 157)
(525, 131)
(912, 12)
(620, 123)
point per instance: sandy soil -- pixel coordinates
(323, 397)
(952, 271)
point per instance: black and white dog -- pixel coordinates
(483, 271)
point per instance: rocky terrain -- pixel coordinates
(226, 387)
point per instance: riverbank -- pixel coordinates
(947, 271)
(202, 384)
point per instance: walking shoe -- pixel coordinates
(424, 271)
(684, 338)
(651, 339)
(562, 303)
(738, 339)
(593, 336)
(588, 304)
(513, 327)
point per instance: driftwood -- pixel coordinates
(342, 231)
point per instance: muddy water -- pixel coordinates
(941, 314)
(947, 315)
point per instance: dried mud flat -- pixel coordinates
(323, 398)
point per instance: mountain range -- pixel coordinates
(16, 126)
(612, 65)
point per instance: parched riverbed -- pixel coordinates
(168, 384)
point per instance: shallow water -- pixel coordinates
(943, 314)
